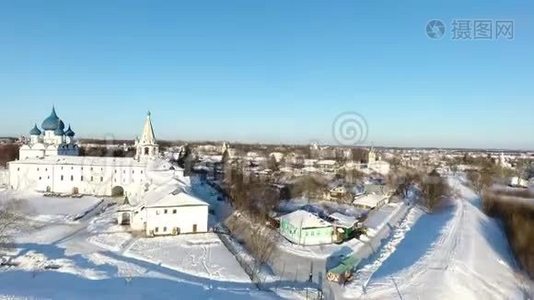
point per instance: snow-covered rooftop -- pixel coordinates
(343, 220)
(96, 161)
(326, 162)
(370, 200)
(180, 199)
(310, 162)
(304, 219)
(310, 169)
(212, 158)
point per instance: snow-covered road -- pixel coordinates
(457, 253)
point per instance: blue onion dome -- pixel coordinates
(52, 122)
(69, 132)
(58, 131)
(35, 130)
(61, 125)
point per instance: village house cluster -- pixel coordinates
(281, 167)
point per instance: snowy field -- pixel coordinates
(92, 257)
(203, 255)
(106, 234)
(50, 209)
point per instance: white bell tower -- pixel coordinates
(146, 147)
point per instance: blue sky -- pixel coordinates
(269, 71)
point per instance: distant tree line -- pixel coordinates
(105, 141)
(8, 152)
(516, 211)
(513, 207)
(106, 152)
(163, 144)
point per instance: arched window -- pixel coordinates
(147, 150)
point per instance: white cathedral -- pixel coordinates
(50, 162)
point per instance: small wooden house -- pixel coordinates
(343, 272)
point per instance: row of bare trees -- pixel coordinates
(106, 152)
(513, 207)
(254, 200)
(483, 177)
(432, 188)
(259, 240)
(249, 193)
(516, 212)
(305, 186)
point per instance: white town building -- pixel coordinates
(175, 213)
(304, 228)
(49, 162)
(370, 201)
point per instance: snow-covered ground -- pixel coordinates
(203, 255)
(92, 257)
(457, 253)
(49, 209)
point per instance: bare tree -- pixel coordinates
(401, 184)
(10, 220)
(308, 186)
(258, 239)
(434, 189)
(359, 154)
(261, 243)
(273, 164)
(395, 163)
(482, 179)
(262, 198)
(352, 176)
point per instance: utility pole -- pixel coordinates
(396, 287)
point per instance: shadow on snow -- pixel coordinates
(416, 243)
(172, 284)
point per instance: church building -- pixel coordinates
(52, 141)
(50, 162)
